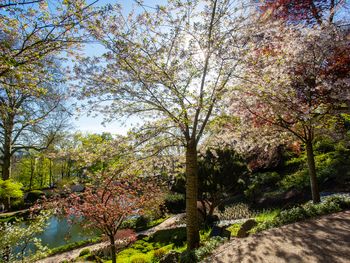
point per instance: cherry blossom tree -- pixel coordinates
(291, 86)
(169, 66)
(111, 201)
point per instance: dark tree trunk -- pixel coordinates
(6, 165)
(7, 148)
(191, 197)
(312, 172)
(113, 250)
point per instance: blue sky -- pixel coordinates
(94, 125)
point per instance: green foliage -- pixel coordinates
(129, 254)
(175, 203)
(21, 235)
(330, 204)
(332, 164)
(208, 247)
(259, 181)
(176, 236)
(152, 248)
(139, 260)
(10, 189)
(188, 257)
(73, 245)
(34, 195)
(159, 253)
(237, 211)
(234, 229)
(84, 252)
(267, 215)
(221, 173)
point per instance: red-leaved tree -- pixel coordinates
(304, 11)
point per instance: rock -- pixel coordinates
(171, 257)
(247, 225)
(77, 188)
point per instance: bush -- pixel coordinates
(236, 211)
(139, 260)
(208, 247)
(130, 223)
(188, 257)
(159, 253)
(234, 229)
(176, 236)
(141, 223)
(259, 181)
(34, 195)
(73, 245)
(330, 204)
(84, 252)
(175, 203)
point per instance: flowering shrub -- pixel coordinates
(20, 235)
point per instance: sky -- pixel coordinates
(90, 124)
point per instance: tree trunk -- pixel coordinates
(191, 197)
(6, 166)
(113, 251)
(312, 172)
(7, 150)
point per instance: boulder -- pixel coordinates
(247, 225)
(77, 188)
(171, 257)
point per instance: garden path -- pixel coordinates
(320, 240)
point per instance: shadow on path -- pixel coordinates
(325, 240)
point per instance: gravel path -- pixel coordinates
(322, 240)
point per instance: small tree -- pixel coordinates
(221, 174)
(10, 189)
(106, 205)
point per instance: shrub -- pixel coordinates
(208, 247)
(188, 257)
(142, 222)
(130, 223)
(234, 229)
(139, 260)
(159, 253)
(259, 181)
(177, 236)
(73, 245)
(330, 204)
(84, 252)
(236, 211)
(175, 203)
(34, 195)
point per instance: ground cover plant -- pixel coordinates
(276, 218)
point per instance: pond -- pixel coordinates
(59, 232)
